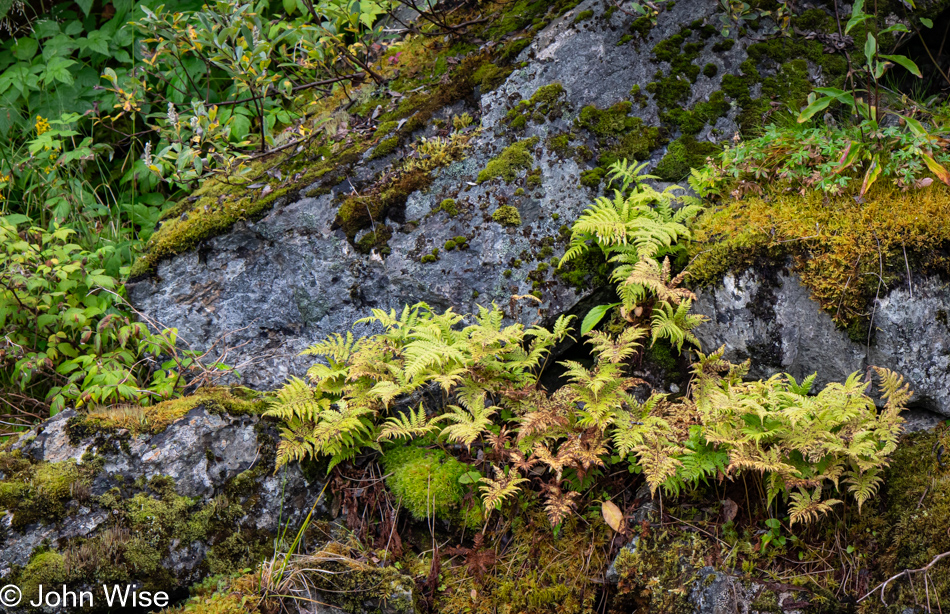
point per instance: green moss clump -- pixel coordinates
(234, 400)
(449, 245)
(607, 122)
(710, 70)
(621, 136)
(449, 206)
(583, 16)
(427, 483)
(507, 273)
(593, 177)
(39, 492)
(544, 103)
(386, 127)
(514, 158)
(506, 215)
(385, 147)
(560, 144)
(641, 26)
(428, 258)
(683, 154)
(533, 179)
(489, 76)
(724, 45)
(586, 271)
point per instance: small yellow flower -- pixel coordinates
(42, 125)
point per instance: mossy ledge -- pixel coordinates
(838, 247)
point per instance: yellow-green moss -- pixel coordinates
(506, 215)
(233, 400)
(39, 492)
(427, 483)
(545, 103)
(514, 158)
(683, 154)
(537, 571)
(385, 147)
(449, 206)
(837, 246)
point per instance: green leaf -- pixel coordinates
(25, 48)
(85, 5)
(926, 23)
(870, 48)
(58, 70)
(819, 105)
(905, 62)
(290, 6)
(15, 219)
(594, 316)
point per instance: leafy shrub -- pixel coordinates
(66, 337)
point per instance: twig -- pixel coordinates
(906, 572)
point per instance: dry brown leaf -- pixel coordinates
(729, 510)
(612, 515)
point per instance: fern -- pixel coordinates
(469, 421)
(676, 324)
(407, 425)
(805, 507)
(498, 489)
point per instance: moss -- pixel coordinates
(449, 206)
(45, 569)
(514, 158)
(519, 192)
(533, 179)
(682, 155)
(427, 483)
(449, 245)
(506, 273)
(592, 178)
(845, 241)
(583, 16)
(40, 492)
(661, 566)
(545, 103)
(386, 127)
(724, 45)
(710, 70)
(489, 76)
(506, 215)
(385, 147)
(428, 258)
(641, 26)
(234, 400)
(621, 136)
(585, 271)
(560, 144)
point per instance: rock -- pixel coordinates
(199, 497)
(775, 323)
(276, 285)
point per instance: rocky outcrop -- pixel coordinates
(280, 283)
(87, 503)
(772, 320)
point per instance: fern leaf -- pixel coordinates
(408, 425)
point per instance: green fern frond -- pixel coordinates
(408, 425)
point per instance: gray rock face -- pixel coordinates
(290, 279)
(775, 323)
(203, 453)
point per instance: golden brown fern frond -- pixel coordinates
(558, 504)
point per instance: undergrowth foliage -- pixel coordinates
(66, 338)
(487, 377)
